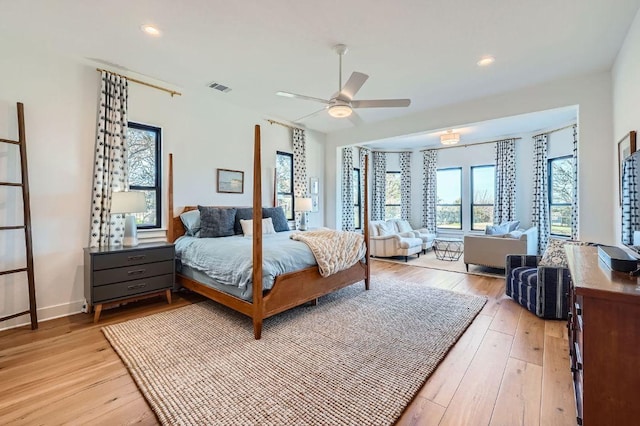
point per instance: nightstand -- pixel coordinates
(113, 275)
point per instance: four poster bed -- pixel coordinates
(289, 289)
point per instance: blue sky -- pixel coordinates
(449, 183)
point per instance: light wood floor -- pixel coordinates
(509, 367)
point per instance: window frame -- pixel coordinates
(399, 173)
(449, 205)
(472, 204)
(358, 203)
(291, 194)
(550, 192)
(158, 178)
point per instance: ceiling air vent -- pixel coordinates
(220, 87)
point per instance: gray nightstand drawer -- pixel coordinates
(131, 288)
(134, 257)
(132, 272)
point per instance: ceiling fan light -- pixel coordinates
(340, 111)
(450, 138)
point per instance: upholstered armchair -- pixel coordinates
(542, 290)
(385, 240)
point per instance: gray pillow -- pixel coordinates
(191, 222)
(245, 213)
(277, 217)
(513, 225)
(216, 221)
(497, 229)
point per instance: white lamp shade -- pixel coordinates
(303, 205)
(128, 202)
(450, 138)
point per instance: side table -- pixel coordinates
(449, 249)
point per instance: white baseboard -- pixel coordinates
(45, 314)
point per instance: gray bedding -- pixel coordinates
(227, 261)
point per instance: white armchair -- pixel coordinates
(386, 240)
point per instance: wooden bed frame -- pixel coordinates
(290, 289)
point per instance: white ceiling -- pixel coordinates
(418, 49)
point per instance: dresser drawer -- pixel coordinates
(131, 288)
(134, 257)
(132, 272)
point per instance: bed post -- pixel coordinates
(365, 225)
(258, 308)
(170, 230)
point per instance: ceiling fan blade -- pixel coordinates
(355, 119)
(352, 85)
(309, 115)
(308, 98)
(381, 103)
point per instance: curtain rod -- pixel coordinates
(283, 124)
(172, 92)
(555, 130)
(467, 144)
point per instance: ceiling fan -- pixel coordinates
(341, 104)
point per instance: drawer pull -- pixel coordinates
(136, 272)
(137, 257)
(137, 286)
(578, 309)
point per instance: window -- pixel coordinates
(483, 181)
(284, 182)
(449, 193)
(357, 200)
(392, 195)
(143, 151)
(560, 195)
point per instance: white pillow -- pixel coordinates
(247, 226)
(385, 228)
(403, 226)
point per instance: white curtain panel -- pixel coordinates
(430, 189)
(405, 185)
(629, 201)
(365, 155)
(347, 190)
(504, 207)
(110, 168)
(574, 202)
(540, 213)
(300, 188)
(379, 185)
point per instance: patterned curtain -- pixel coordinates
(504, 205)
(540, 214)
(630, 220)
(347, 190)
(405, 185)
(365, 153)
(299, 168)
(574, 201)
(110, 168)
(430, 189)
(379, 185)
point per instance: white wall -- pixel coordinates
(60, 97)
(591, 93)
(626, 98)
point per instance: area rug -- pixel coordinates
(357, 358)
(429, 260)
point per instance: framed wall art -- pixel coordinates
(626, 147)
(230, 181)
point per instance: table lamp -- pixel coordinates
(129, 202)
(303, 205)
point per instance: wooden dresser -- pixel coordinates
(604, 340)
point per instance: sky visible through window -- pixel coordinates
(449, 184)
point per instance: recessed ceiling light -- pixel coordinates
(151, 30)
(486, 60)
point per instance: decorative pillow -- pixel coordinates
(385, 228)
(403, 226)
(555, 255)
(216, 221)
(191, 222)
(514, 234)
(513, 225)
(497, 229)
(245, 213)
(247, 226)
(277, 217)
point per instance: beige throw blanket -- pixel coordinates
(334, 250)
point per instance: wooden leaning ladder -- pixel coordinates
(21, 142)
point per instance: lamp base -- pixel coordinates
(130, 232)
(303, 221)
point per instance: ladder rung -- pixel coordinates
(10, 184)
(13, 271)
(19, 314)
(6, 228)
(10, 141)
